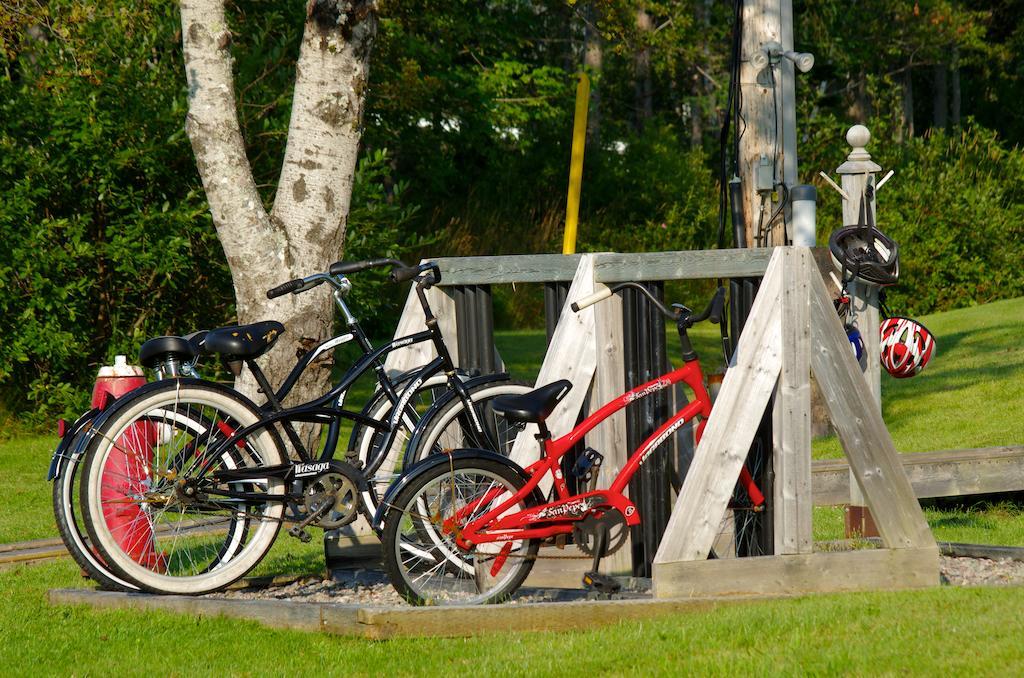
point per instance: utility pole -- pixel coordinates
(768, 160)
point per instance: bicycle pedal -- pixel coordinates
(301, 534)
(601, 583)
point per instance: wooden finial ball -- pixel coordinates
(858, 136)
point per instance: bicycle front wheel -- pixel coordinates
(170, 506)
(421, 557)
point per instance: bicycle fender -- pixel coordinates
(440, 403)
(404, 377)
(60, 453)
(432, 462)
(84, 435)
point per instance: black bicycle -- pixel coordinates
(186, 482)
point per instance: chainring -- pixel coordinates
(584, 532)
(339, 492)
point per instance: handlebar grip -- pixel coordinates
(346, 267)
(590, 299)
(400, 274)
(717, 306)
(285, 288)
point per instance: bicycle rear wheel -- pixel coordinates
(421, 557)
(158, 500)
(450, 428)
(72, 529)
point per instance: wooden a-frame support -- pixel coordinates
(793, 329)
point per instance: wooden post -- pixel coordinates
(791, 423)
(856, 174)
(609, 438)
(792, 313)
(738, 411)
(572, 355)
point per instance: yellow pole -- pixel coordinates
(579, 139)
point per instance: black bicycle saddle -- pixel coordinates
(533, 407)
(244, 341)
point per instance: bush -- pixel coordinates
(107, 234)
(956, 208)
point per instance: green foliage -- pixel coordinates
(955, 206)
(656, 195)
(105, 229)
(378, 226)
(108, 238)
(957, 210)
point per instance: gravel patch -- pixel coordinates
(981, 572)
(371, 586)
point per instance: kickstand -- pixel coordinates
(601, 584)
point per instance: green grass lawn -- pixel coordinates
(938, 631)
(972, 392)
(970, 396)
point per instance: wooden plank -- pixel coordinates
(275, 613)
(792, 412)
(868, 569)
(609, 438)
(734, 420)
(458, 621)
(507, 269)
(680, 265)
(868, 445)
(944, 473)
(571, 355)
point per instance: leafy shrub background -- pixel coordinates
(105, 237)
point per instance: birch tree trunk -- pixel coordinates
(305, 231)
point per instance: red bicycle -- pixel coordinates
(465, 526)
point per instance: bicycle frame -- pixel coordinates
(327, 409)
(570, 508)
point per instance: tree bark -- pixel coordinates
(954, 103)
(907, 108)
(306, 230)
(940, 97)
(593, 60)
(860, 107)
(643, 87)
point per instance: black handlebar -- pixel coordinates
(285, 288)
(399, 273)
(678, 312)
(714, 310)
(346, 267)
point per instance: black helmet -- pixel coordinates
(863, 252)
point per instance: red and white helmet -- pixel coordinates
(906, 346)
